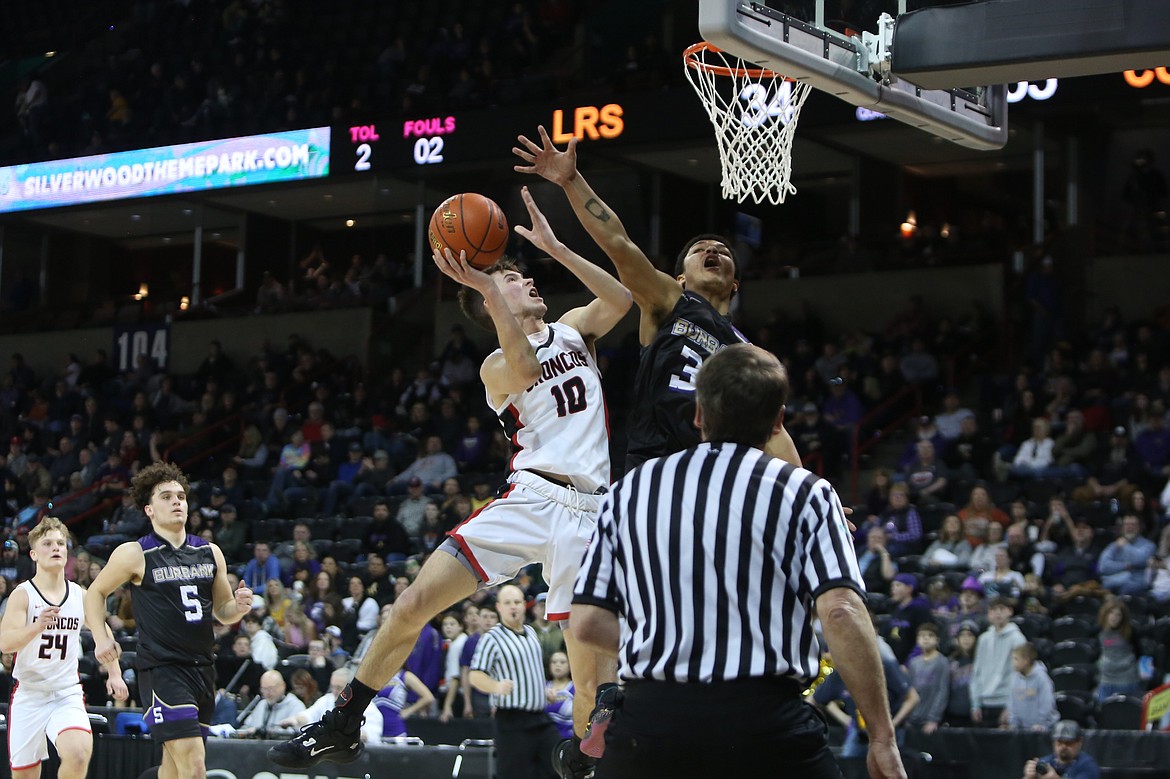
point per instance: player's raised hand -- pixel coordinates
(540, 234)
(243, 599)
(459, 269)
(48, 617)
(546, 161)
(116, 687)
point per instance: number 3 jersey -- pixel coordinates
(559, 424)
(173, 605)
(662, 420)
(49, 661)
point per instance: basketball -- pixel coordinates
(471, 223)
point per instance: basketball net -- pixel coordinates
(754, 112)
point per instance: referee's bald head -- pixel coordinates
(741, 392)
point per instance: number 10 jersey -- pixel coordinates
(49, 660)
(559, 425)
(173, 604)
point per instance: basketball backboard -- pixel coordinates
(853, 65)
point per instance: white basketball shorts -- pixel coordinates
(534, 521)
(39, 714)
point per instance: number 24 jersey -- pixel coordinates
(49, 661)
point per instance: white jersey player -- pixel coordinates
(558, 425)
(547, 392)
(544, 378)
(42, 625)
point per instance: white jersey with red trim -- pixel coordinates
(559, 425)
(49, 661)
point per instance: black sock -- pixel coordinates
(351, 704)
(601, 688)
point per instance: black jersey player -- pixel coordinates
(683, 318)
(179, 587)
(683, 321)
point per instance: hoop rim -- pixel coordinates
(691, 60)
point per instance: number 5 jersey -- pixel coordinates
(559, 425)
(172, 603)
(49, 661)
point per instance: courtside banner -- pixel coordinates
(165, 170)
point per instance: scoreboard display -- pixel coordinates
(386, 145)
(435, 140)
(427, 143)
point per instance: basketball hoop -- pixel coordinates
(754, 111)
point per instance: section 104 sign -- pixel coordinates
(151, 342)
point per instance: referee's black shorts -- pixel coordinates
(178, 699)
(719, 729)
(525, 741)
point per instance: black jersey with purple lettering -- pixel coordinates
(173, 604)
(663, 418)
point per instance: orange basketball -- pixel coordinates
(471, 223)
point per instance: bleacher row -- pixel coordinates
(1003, 494)
(341, 535)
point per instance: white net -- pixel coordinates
(754, 112)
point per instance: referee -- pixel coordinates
(701, 579)
(508, 664)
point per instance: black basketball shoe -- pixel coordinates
(569, 762)
(323, 740)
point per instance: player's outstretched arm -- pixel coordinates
(613, 300)
(126, 564)
(14, 633)
(653, 291)
(229, 607)
(518, 369)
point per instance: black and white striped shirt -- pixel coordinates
(503, 653)
(712, 558)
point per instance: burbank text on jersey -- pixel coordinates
(696, 334)
(177, 573)
(560, 364)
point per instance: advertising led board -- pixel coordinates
(191, 167)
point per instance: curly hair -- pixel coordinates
(142, 486)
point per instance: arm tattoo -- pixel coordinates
(596, 209)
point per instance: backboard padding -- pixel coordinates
(835, 64)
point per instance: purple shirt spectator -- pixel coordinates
(843, 408)
(426, 659)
